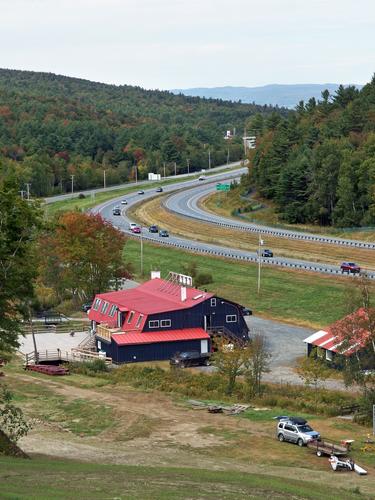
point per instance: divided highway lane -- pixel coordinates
(88, 192)
(122, 222)
(185, 203)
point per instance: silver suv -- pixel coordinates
(296, 430)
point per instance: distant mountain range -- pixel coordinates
(275, 94)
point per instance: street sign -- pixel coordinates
(222, 187)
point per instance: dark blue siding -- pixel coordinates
(148, 352)
(195, 317)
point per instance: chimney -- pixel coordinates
(183, 293)
(155, 274)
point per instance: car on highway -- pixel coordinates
(132, 224)
(141, 192)
(116, 211)
(153, 229)
(192, 358)
(266, 253)
(136, 230)
(201, 178)
(163, 233)
(296, 430)
(159, 189)
(124, 202)
(350, 268)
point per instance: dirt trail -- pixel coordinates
(179, 436)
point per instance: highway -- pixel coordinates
(185, 202)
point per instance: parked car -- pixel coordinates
(163, 233)
(141, 192)
(124, 202)
(246, 311)
(350, 268)
(153, 229)
(296, 430)
(201, 178)
(116, 211)
(132, 224)
(159, 189)
(192, 358)
(136, 230)
(86, 307)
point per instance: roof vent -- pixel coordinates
(198, 296)
(183, 294)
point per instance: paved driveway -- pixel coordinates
(284, 341)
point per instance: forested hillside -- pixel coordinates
(52, 127)
(318, 164)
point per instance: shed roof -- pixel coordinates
(160, 336)
(331, 340)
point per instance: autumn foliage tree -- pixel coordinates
(82, 253)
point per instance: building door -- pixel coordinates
(204, 346)
(207, 321)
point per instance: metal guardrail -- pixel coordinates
(247, 258)
(274, 232)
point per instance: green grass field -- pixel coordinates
(44, 479)
(296, 297)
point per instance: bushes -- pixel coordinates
(91, 368)
(213, 387)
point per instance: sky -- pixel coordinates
(169, 44)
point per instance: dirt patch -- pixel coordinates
(150, 428)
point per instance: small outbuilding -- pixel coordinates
(344, 338)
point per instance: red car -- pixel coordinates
(136, 229)
(350, 268)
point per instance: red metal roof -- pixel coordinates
(335, 337)
(154, 296)
(160, 336)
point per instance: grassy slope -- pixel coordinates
(46, 479)
(295, 297)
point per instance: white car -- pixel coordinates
(201, 178)
(124, 202)
(132, 225)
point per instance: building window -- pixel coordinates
(213, 302)
(96, 304)
(139, 320)
(153, 324)
(165, 323)
(105, 307)
(112, 311)
(130, 317)
(231, 318)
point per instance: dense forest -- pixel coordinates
(318, 163)
(53, 127)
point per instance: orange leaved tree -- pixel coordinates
(81, 254)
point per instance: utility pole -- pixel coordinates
(72, 177)
(141, 251)
(228, 157)
(209, 158)
(188, 165)
(175, 168)
(164, 168)
(104, 179)
(28, 190)
(260, 243)
(136, 174)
